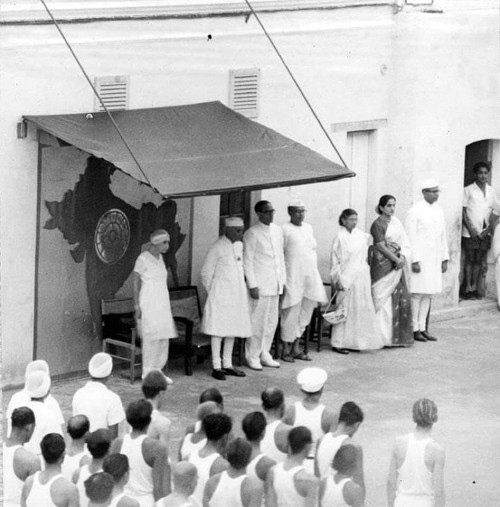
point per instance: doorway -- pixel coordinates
(485, 150)
(234, 204)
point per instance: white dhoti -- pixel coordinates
(264, 315)
(295, 319)
(154, 355)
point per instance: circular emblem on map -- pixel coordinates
(112, 236)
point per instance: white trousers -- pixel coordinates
(264, 315)
(295, 319)
(227, 354)
(154, 355)
(420, 304)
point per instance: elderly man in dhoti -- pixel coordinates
(227, 311)
(426, 231)
(304, 288)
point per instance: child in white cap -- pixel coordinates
(21, 398)
(310, 412)
(102, 407)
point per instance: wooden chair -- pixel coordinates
(318, 325)
(186, 310)
(119, 333)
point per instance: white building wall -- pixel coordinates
(431, 77)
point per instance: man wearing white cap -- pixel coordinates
(304, 287)
(265, 273)
(227, 310)
(426, 230)
(153, 313)
(21, 398)
(310, 412)
(38, 387)
(102, 407)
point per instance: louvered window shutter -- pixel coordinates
(244, 91)
(113, 91)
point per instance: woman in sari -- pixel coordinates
(350, 276)
(389, 273)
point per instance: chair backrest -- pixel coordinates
(117, 306)
(185, 302)
(117, 316)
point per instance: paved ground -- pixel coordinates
(460, 372)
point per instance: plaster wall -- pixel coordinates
(434, 78)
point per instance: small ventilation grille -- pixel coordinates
(113, 91)
(244, 91)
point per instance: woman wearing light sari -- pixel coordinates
(389, 273)
(350, 276)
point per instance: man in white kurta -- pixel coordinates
(426, 231)
(304, 289)
(227, 310)
(265, 273)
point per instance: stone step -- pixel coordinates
(465, 309)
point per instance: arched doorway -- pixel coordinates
(488, 151)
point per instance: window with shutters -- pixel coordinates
(113, 91)
(244, 91)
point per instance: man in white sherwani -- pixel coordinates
(426, 231)
(227, 310)
(265, 274)
(304, 287)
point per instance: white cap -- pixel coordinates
(430, 183)
(38, 384)
(296, 203)
(312, 380)
(233, 222)
(159, 236)
(38, 365)
(101, 365)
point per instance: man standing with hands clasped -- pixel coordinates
(227, 313)
(426, 230)
(304, 287)
(265, 273)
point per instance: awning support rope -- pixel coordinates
(296, 83)
(96, 93)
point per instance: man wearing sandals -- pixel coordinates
(304, 288)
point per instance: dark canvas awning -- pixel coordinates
(195, 149)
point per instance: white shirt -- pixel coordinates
(46, 421)
(302, 276)
(479, 206)
(263, 259)
(102, 407)
(21, 399)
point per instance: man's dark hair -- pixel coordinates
(254, 426)
(98, 443)
(99, 487)
(21, 417)
(139, 414)
(212, 394)
(116, 465)
(478, 165)
(53, 447)
(216, 426)
(153, 383)
(259, 207)
(350, 413)
(345, 459)
(238, 453)
(78, 426)
(298, 438)
(272, 398)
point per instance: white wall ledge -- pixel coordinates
(32, 11)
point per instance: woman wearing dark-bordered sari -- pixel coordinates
(389, 273)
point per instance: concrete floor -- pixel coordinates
(460, 373)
